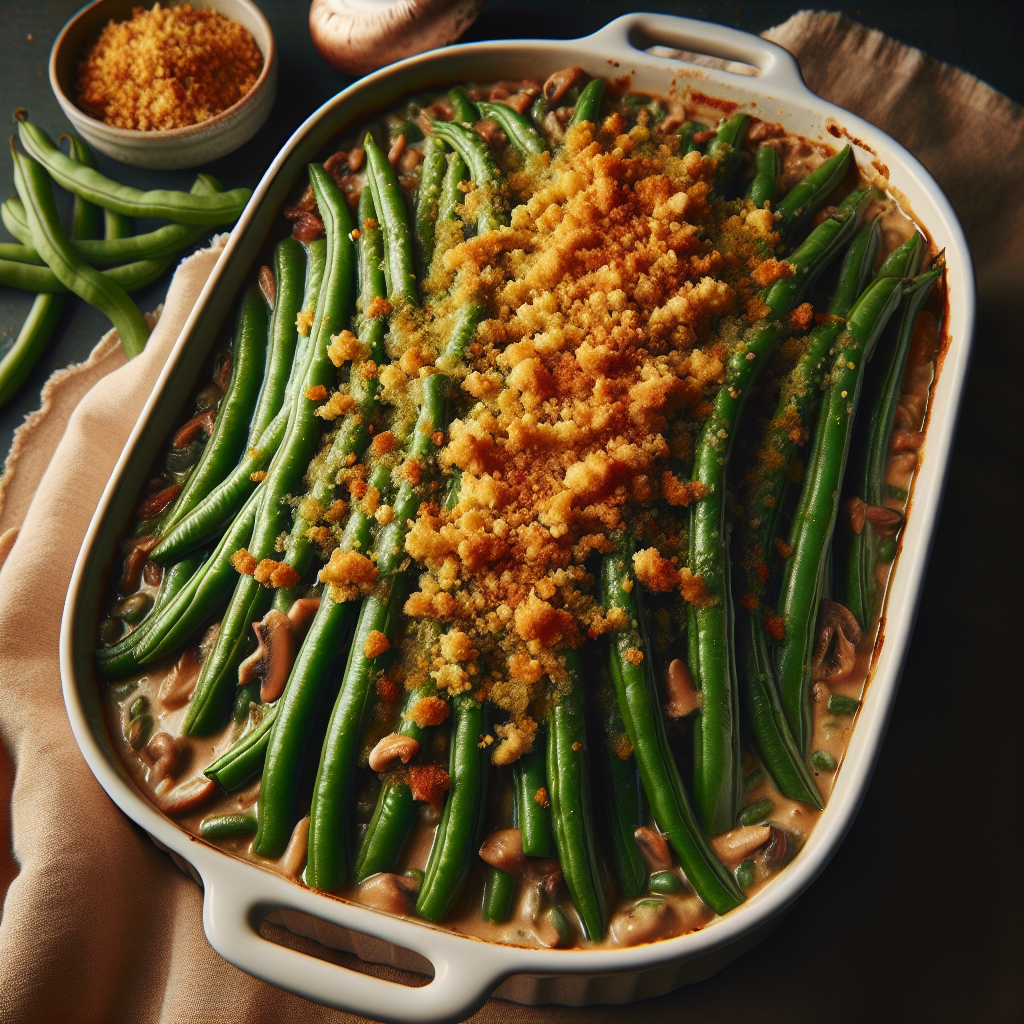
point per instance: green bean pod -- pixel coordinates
(529, 777)
(483, 169)
(499, 888)
(74, 273)
(870, 450)
(231, 429)
(588, 106)
(428, 195)
(637, 694)
(389, 202)
(520, 130)
(244, 760)
(86, 217)
(464, 110)
(766, 173)
(451, 194)
(799, 205)
(569, 793)
(458, 834)
(725, 149)
(117, 226)
(35, 332)
(803, 573)
(180, 207)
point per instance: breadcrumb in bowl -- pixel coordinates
(176, 118)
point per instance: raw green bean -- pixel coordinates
(117, 226)
(427, 196)
(803, 573)
(389, 202)
(86, 217)
(129, 277)
(569, 793)
(637, 694)
(19, 359)
(529, 778)
(464, 110)
(483, 169)
(52, 244)
(766, 173)
(458, 834)
(180, 207)
(499, 888)
(799, 205)
(725, 149)
(227, 826)
(520, 131)
(228, 440)
(588, 106)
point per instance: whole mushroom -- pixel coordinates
(359, 36)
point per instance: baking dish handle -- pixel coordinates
(234, 905)
(778, 67)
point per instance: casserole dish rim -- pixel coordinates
(236, 899)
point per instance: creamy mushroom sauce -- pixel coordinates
(164, 690)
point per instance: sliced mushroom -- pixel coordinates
(178, 685)
(293, 860)
(272, 660)
(561, 82)
(391, 748)
(268, 285)
(187, 796)
(683, 698)
(356, 37)
(732, 848)
(136, 558)
(201, 423)
(653, 848)
(886, 521)
(389, 892)
(646, 921)
(504, 849)
(300, 615)
(835, 652)
(166, 758)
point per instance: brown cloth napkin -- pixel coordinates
(97, 924)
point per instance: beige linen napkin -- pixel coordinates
(97, 924)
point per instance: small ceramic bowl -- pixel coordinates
(177, 147)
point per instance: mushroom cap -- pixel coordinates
(359, 36)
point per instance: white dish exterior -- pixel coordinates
(178, 147)
(239, 895)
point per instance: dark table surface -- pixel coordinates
(918, 916)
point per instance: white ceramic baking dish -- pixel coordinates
(239, 895)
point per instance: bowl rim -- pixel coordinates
(238, 892)
(169, 134)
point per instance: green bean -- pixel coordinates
(427, 196)
(725, 149)
(389, 202)
(117, 226)
(227, 826)
(624, 803)
(766, 173)
(49, 239)
(217, 510)
(228, 440)
(300, 704)
(451, 194)
(19, 359)
(114, 250)
(840, 705)
(533, 818)
(246, 695)
(180, 207)
(458, 834)
(464, 110)
(569, 793)
(395, 813)
(520, 131)
(799, 205)
(244, 759)
(687, 130)
(870, 451)
(499, 888)
(483, 169)
(761, 500)
(129, 277)
(637, 694)
(289, 277)
(755, 813)
(588, 106)
(803, 573)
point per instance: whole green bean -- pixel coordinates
(499, 888)
(244, 759)
(227, 826)
(19, 359)
(569, 793)
(529, 778)
(483, 169)
(637, 694)
(458, 834)
(427, 196)
(463, 108)
(799, 205)
(48, 237)
(231, 428)
(451, 194)
(519, 129)
(588, 106)
(725, 149)
(86, 217)
(180, 207)
(389, 202)
(766, 173)
(129, 277)
(803, 572)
